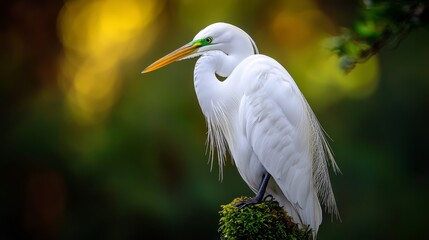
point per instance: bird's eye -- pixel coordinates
(209, 39)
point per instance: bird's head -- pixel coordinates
(223, 37)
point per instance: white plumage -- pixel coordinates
(260, 115)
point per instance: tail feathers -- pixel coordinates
(315, 214)
(287, 206)
(310, 215)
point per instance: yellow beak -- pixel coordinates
(177, 54)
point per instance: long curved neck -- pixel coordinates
(217, 100)
(210, 91)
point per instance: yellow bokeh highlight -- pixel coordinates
(317, 73)
(94, 97)
(99, 37)
(296, 30)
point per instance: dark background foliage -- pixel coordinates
(90, 148)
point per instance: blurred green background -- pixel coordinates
(92, 149)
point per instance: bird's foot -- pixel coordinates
(253, 201)
(246, 203)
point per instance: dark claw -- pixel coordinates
(252, 201)
(246, 203)
(259, 195)
(268, 198)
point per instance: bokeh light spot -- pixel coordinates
(99, 37)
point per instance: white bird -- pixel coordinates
(259, 114)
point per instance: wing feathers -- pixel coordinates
(287, 138)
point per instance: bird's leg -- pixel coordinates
(259, 195)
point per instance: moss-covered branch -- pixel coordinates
(266, 220)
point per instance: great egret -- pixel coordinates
(259, 115)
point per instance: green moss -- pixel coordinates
(266, 220)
